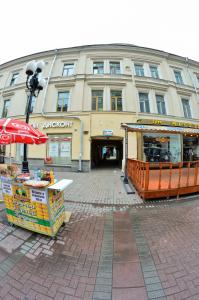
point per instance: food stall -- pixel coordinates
(37, 205)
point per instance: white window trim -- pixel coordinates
(161, 94)
(69, 99)
(139, 63)
(157, 66)
(149, 97)
(182, 75)
(190, 106)
(98, 89)
(118, 61)
(69, 63)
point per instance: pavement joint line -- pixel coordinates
(151, 278)
(103, 283)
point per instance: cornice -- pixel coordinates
(6, 94)
(64, 84)
(126, 49)
(148, 82)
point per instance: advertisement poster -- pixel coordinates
(65, 148)
(38, 196)
(7, 188)
(54, 149)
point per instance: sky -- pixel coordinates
(28, 27)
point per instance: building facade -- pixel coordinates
(91, 91)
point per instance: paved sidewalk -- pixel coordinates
(102, 186)
(108, 250)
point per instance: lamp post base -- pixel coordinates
(25, 168)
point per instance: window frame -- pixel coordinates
(68, 64)
(162, 102)
(5, 110)
(14, 78)
(181, 82)
(114, 68)
(98, 68)
(157, 76)
(67, 104)
(186, 109)
(139, 69)
(144, 101)
(96, 97)
(116, 98)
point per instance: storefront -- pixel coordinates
(168, 158)
(161, 142)
(59, 149)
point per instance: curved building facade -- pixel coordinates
(91, 91)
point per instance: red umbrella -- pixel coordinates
(17, 131)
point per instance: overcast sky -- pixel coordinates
(27, 27)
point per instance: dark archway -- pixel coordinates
(106, 152)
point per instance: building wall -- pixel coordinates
(81, 83)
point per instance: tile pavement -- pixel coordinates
(114, 247)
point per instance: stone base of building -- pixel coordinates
(39, 164)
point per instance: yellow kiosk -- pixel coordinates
(38, 209)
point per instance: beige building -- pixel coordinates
(91, 90)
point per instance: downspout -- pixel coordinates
(61, 116)
(192, 81)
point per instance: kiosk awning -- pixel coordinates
(135, 127)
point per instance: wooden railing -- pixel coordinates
(164, 177)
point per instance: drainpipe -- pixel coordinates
(61, 116)
(192, 81)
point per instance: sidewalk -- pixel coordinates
(108, 250)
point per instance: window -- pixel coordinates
(144, 102)
(63, 100)
(186, 108)
(139, 70)
(116, 100)
(68, 69)
(5, 108)
(154, 71)
(14, 79)
(115, 67)
(97, 100)
(161, 147)
(178, 77)
(59, 148)
(160, 104)
(98, 68)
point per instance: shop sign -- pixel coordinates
(53, 124)
(107, 132)
(173, 129)
(167, 123)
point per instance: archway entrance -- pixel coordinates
(106, 152)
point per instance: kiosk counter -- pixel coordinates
(39, 209)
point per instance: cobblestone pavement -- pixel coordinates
(127, 251)
(102, 186)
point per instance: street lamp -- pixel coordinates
(34, 83)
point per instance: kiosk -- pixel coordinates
(39, 209)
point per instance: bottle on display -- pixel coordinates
(52, 178)
(38, 174)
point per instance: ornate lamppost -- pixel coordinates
(34, 83)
